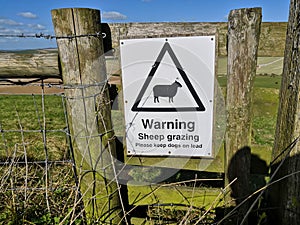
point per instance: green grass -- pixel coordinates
(264, 114)
(23, 120)
(265, 106)
(22, 125)
(259, 81)
(26, 112)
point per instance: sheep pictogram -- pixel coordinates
(165, 91)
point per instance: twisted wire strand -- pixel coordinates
(49, 36)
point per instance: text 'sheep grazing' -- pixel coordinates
(174, 139)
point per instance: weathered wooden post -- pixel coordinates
(243, 38)
(285, 196)
(80, 46)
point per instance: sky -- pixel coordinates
(31, 17)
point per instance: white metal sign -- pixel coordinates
(168, 88)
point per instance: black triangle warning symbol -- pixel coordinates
(199, 107)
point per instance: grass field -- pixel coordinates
(25, 112)
(24, 118)
(265, 106)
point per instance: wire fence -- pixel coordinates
(49, 36)
(38, 175)
(40, 182)
(39, 178)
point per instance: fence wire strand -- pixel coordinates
(36, 153)
(49, 36)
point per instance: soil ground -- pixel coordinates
(52, 86)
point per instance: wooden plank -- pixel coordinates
(43, 62)
(176, 194)
(174, 204)
(243, 37)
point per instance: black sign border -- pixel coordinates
(167, 48)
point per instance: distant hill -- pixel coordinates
(31, 51)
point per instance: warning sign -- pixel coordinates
(168, 87)
(167, 90)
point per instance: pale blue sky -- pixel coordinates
(32, 16)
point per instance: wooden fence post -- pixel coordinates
(285, 195)
(243, 38)
(80, 46)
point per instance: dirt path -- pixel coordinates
(35, 88)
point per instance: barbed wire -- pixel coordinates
(49, 36)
